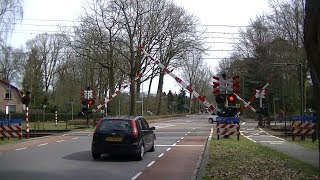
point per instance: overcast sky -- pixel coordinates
(209, 12)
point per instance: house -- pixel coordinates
(10, 95)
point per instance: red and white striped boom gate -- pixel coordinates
(115, 94)
(10, 129)
(247, 104)
(183, 84)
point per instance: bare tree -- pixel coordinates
(195, 72)
(50, 52)
(10, 12)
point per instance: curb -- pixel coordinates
(198, 172)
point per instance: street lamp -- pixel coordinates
(300, 82)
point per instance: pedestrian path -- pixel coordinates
(258, 135)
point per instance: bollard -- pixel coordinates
(56, 117)
(27, 122)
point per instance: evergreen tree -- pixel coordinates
(33, 79)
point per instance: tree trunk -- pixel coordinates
(133, 98)
(190, 103)
(149, 88)
(312, 46)
(159, 93)
(111, 87)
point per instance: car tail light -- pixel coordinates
(134, 129)
(98, 124)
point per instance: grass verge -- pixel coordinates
(9, 141)
(243, 159)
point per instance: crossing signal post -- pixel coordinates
(26, 101)
(87, 100)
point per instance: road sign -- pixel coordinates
(230, 84)
(260, 94)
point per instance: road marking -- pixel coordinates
(249, 138)
(277, 143)
(210, 135)
(161, 155)
(182, 138)
(178, 141)
(66, 135)
(89, 134)
(271, 141)
(243, 123)
(182, 145)
(43, 144)
(136, 176)
(193, 128)
(185, 134)
(189, 132)
(168, 149)
(150, 164)
(160, 126)
(21, 149)
(60, 141)
(174, 144)
(75, 138)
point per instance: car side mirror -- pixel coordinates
(152, 128)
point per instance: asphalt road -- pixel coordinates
(180, 143)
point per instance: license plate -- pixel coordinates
(114, 139)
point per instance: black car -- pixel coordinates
(123, 135)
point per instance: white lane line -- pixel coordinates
(168, 149)
(277, 143)
(174, 144)
(160, 155)
(185, 134)
(178, 141)
(89, 134)
(43, 144)
(182, 138)
(243, 123)
(271, 141)
(66, 135)
(75, 138)
(189, 132)
(249, 138)
(60, 141)
(150, 164)
(210, 135)
(136, 176)
(21, 149)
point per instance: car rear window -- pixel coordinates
(109, 125)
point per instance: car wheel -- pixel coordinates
(140, 154)
(153, 148)
(96, 156)
(210, 121)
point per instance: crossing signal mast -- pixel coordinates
(227, 99)
(87, 100)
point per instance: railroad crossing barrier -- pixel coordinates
(306, 126)
(10, 128)
(228, 126)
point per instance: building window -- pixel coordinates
(13, 108)
(8, 95)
